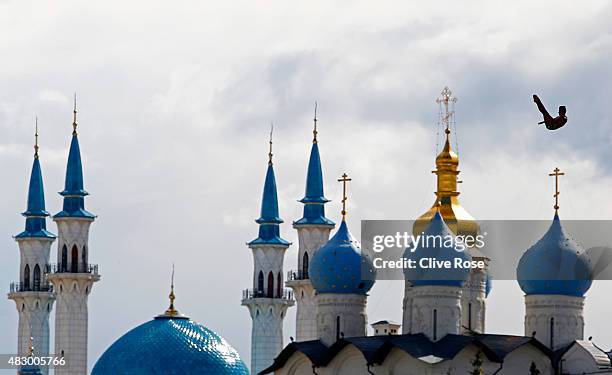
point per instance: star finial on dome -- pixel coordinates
(556, 173)
(344, 181)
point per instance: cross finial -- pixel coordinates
(344, 181)
(36, 139)
(446, 100)
(556, 174)
(74, 117)
(315, 132)
(171, 310)
(270, 152)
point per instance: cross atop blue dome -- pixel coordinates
(74, 192)
(269, 219)
(35, 213)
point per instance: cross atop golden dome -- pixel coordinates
(447, 172)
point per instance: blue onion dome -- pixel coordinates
(437, 242)
(170, 344)
(556, 264)
(338, 266)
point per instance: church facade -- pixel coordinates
(443, 325)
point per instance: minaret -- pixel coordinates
(459, 221)
(555, 275)
(342, 277)
(33, 294)
(313, 232)
(73, 276)
(268, 300)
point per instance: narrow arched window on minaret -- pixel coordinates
(36, 275)
(26, 277)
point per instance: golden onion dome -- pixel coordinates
(454, 215)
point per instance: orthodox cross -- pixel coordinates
(556, 174)
(344, 181)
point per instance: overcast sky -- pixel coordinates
(175, 103)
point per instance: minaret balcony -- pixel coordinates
(85, 268)
(18, 287)
(297, 275)
(282, 294)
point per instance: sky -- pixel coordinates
(175, 102)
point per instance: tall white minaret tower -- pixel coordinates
(313, 232)
(268, 300)
(73, 276)
(555, 275)
(33, 294)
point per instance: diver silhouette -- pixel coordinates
(550, 122)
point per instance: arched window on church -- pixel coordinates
(337, 328)
(270, 285)
(470, 316)
(74, 260)
(64, 263)
(84, 259)
(260, 284)
(279, 285)
(26, 277)
(305, 265)
(37, 277)
(435, 324)
(552, 333)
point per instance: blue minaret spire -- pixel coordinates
(314, 199)
(269, 219)
(74, 192)
(35, 213)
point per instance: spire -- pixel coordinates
(270, 152)
(344, 181)
(171, 312)
(314, 199)
(74, 192)
(447, 172)
(35, 213)
(556, 173)
(314, 131)
(74, 117)
(269, 219)
(36, 140)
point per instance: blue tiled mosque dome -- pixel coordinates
(170, 346)
(556, 265)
